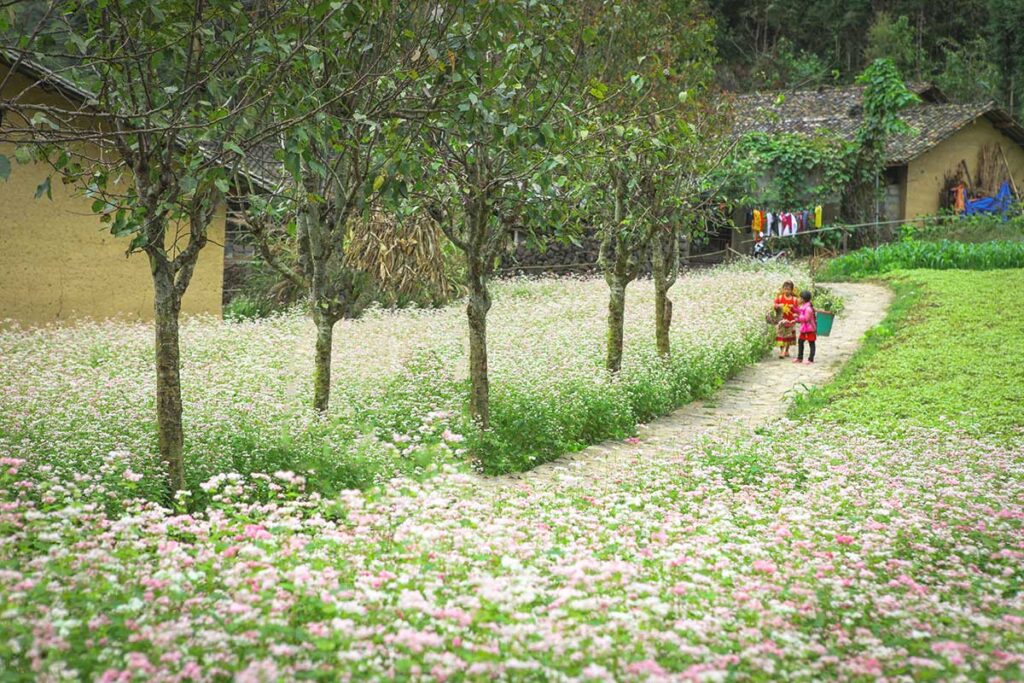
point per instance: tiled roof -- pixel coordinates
(838, 110)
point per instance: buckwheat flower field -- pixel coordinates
(80, 399)
(849, 558)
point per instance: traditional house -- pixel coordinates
(58, 261)
(977, 144)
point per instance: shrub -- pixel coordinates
(248, 307)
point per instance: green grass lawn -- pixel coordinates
(950, 354)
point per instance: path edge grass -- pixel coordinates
(906, 299)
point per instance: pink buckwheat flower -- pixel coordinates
(451, 437)
(256, 531)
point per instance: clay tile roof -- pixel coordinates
(838, 110)
(931, 124)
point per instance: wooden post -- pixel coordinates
(1009, 173)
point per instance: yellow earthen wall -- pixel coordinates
(925, 173)
(59, 263)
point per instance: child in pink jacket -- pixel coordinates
(808, 319)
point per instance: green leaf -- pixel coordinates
(5, 167)
(137, 243)
(378, 182)
(44, 188)
(292, 164)
(222, 184)
(232, 147)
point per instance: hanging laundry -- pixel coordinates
(748, 219)
(769, 223)
(817, 216)
(758, 223)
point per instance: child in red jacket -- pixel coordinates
(785, 334)
(808, 319)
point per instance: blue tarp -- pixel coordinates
(998, 204)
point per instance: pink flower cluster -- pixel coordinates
(873, 562)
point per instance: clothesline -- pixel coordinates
(872, 224)
(783, 223)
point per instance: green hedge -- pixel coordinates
(911, 254)
(983, 228)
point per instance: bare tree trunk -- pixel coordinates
(315, 249)
(664, 267)
(662, 316)
(619, 259)
(322, 360)
(616, 323)
(476, 311)
(167, 308)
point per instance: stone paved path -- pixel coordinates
(752, 398)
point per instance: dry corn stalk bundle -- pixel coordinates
(991, 171)
(405, 258)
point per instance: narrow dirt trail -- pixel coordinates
(754, 397)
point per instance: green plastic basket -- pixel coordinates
(824, 319)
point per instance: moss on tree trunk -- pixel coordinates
(322, 361)
(662, 317)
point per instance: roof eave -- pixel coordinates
(45, 77)
(1006, 124)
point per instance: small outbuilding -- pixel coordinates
(58, 261)
(976, 145)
